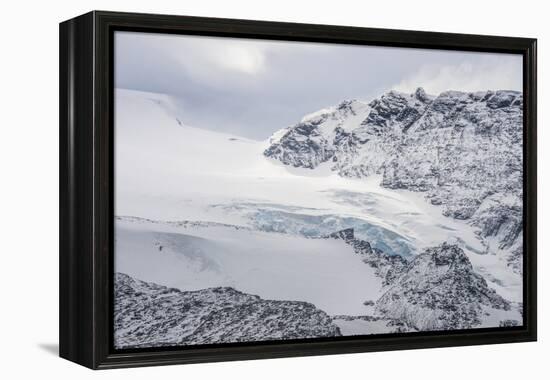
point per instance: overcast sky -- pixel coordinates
(252, 88)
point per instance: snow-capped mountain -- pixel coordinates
(436, 290)
(439, 290)
(150, 315)
(462, 150)
(169, 171)
(351, 211)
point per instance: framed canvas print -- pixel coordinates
(238, 189)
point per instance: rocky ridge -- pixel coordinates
(436, 290)
(388, 267)
(439, 290)
(150, 315)
(462, 150)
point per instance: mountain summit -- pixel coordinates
(463, 150)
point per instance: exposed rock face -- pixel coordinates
(439, 290)
(150, 315)
(386, 266)
(318, 137)
(463, 150)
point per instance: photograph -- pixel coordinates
(270, 190)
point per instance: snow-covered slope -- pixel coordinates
(169, 171)
(190, 256)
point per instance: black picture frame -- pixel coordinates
(86, 187)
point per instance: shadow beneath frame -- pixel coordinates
(51, 348)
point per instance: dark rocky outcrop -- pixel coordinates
(388, 267)
(150, 315)
(440, 290)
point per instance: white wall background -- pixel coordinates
(29, 191)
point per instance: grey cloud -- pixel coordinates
(253, 88)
